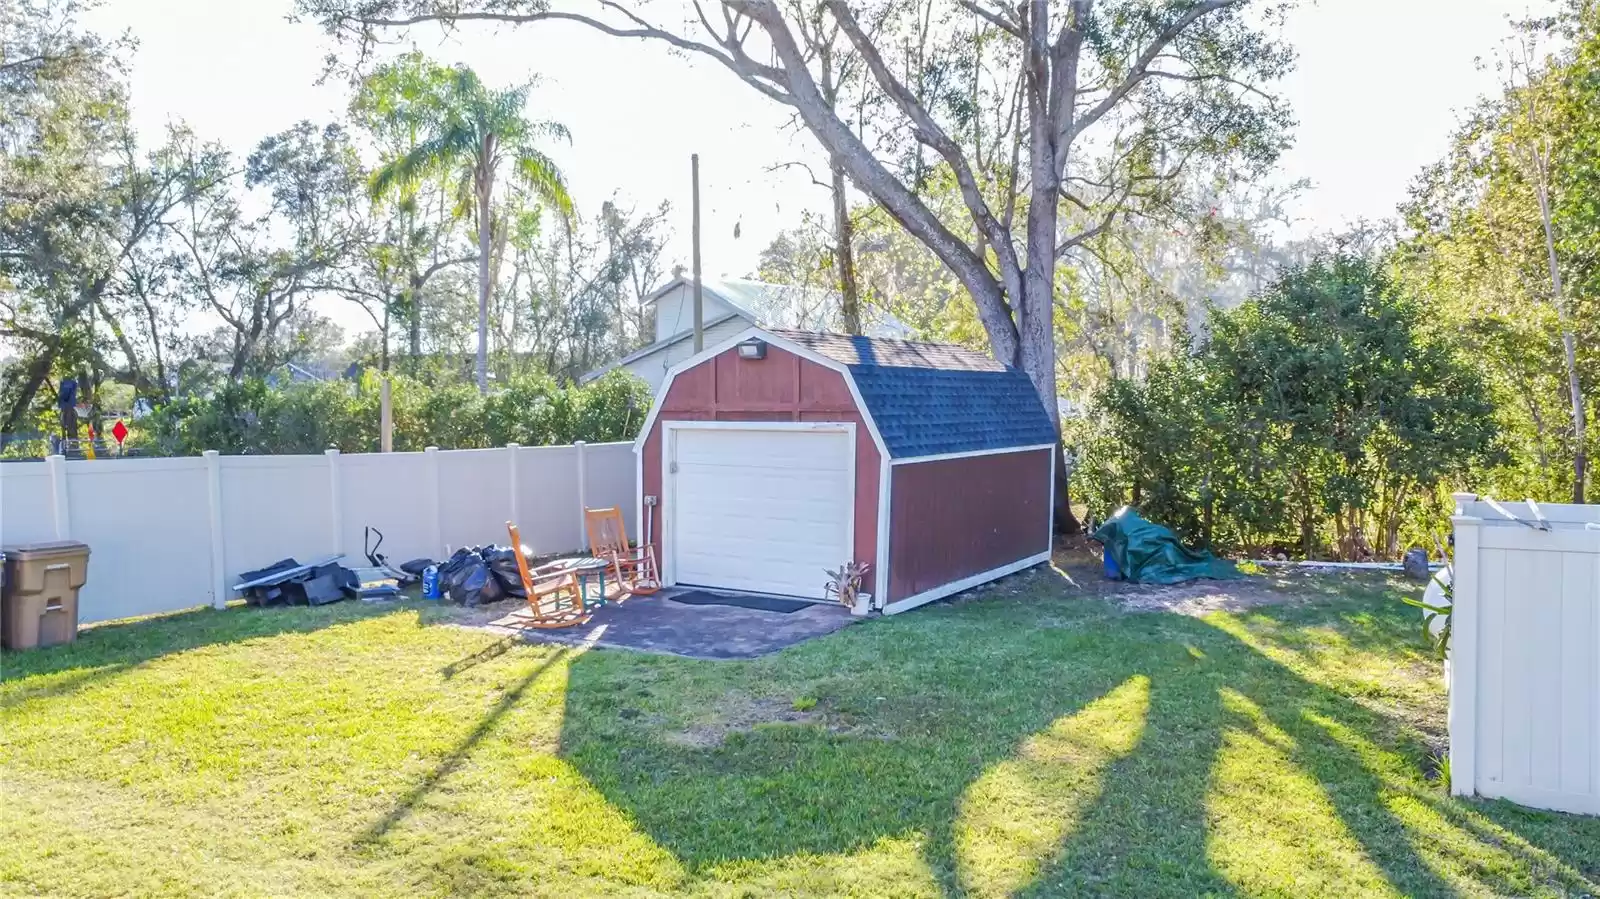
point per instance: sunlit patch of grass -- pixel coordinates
(1014, 818)
(1273, 831)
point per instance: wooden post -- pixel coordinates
(694, 234)
(385, 417)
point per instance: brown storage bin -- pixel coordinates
(40, 603)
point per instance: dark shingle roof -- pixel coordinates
(933, 398)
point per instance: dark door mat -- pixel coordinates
(741, 600)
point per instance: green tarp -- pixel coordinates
(1148, 553)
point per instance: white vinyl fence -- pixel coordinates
(1525, 655)
(168, 534)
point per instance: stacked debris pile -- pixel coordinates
(288, 582)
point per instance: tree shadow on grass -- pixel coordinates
(891, 755)
(1566, 847)
(770, 790)
(457, 756)
(104, 651)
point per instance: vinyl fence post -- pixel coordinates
(583, 488)
(219, 567)
(335, 501)
(431, 455)
(1463, 657)
(59, 497)
(513, 491)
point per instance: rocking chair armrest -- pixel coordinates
(551, 582)
(545, 570)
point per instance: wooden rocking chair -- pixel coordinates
(634, 566)
(555, 598)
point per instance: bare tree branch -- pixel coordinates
(993, 17)
(929, 133)
(1140, 69)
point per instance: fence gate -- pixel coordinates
(1525, 654)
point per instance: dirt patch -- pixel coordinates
(1202, 598)
(740, 714)
(1077, 561)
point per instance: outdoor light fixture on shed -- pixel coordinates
(754, 348)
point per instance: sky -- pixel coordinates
(1379, 87)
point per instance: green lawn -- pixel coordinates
(1038, 741)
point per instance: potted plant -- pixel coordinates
(845, 586)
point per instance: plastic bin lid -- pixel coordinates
(44, 550)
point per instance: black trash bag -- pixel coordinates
(459, 560)
(503, 562)
(493, 591)
(415, 567)
(466, 583)
(474, 584)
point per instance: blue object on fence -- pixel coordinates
(1113, 573)
(430, 582)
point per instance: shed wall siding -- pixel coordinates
(781, 387)
(955, 518)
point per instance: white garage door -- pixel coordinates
(767, 511)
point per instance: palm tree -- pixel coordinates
(475, 132)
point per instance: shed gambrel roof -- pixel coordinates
(928, 399)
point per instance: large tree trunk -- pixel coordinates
(38, 370)
(485, 181)
(844, 252)
(1035, 309)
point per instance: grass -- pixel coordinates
(1035, 742)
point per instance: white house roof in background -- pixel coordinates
(659, 345)
(785, 305)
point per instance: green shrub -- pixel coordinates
(255, 418)
(1320, 417)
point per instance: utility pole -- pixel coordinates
(699, 313)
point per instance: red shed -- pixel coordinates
(780, 454)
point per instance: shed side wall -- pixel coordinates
(955, 518)
(781, 387)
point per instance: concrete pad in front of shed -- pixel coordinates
(657, 624)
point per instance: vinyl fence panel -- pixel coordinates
(1525, 656)
(386, 491)
(609, 473)
(27, 513)
(148, 550)
(274, 507)
(549, 503)
(170, 534)
(475, 496)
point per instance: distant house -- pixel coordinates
(728, 307)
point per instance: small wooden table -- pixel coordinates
(585, 568)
